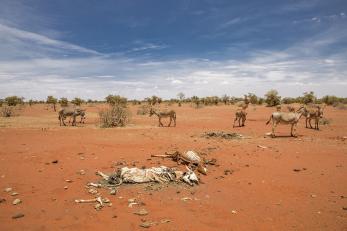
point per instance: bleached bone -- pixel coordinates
(190, 177)
(100, 200)
(87, 200)
(94, 185)
(164, 156)
(104, 176)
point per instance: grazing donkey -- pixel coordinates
(286, 118)
(240, 115)
(171, 114)
(72, 112)
(313, 112)
(80, 112)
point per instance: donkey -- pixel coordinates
(291, 118)
(171, 114)
(73, 112)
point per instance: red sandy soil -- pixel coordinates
(262, 193)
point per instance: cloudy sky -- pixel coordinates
(140, 48)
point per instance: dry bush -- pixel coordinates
(324, 121)
(116, 116)
(340, 106)
(143, 110)
(7, 111)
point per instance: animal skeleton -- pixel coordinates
(189, 157)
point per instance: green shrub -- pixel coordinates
(330, 99)
(272, 98)
(63, 102)
(14, 100)
(116, 100)
(77, 101)
(53, 101)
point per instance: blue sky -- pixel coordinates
(139, 48)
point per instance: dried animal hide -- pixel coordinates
(155, 174)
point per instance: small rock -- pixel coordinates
(14, 194)
(82, 172)
(68, 181)
(344, 208)
(141, 212)
(55, 162)
(186, 199)
(165, 221)
(114, 216)
(2, 200)
(113, 192)
(66, 187)
(233, 211)
(313, 195)
(146, 224)
(296, 170)
(82, 158)
(8, 190)
(261, 146)
(16, 201)
(18, 215)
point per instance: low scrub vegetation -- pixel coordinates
(7, 111)
(143, 110)
(116, 116)
(14, 100)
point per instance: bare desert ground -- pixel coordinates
(275, 184)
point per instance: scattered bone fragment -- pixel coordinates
(261, 146)
(93, 191)
(18, 215)
(141, 212)
(16, 201)
(94, 185)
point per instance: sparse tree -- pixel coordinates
(195, 100)
(253, 99)
(63, 102)
(225, 99)
(288, 100)
(116, 100)
(272, 98)
(330, 99)
(31, 102)
(53, 101)
(14, 100)
(181, 97)
(77, 101)
(308, 97)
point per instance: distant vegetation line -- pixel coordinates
(271, 98)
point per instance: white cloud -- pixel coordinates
(20, 43)
(41, 70)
